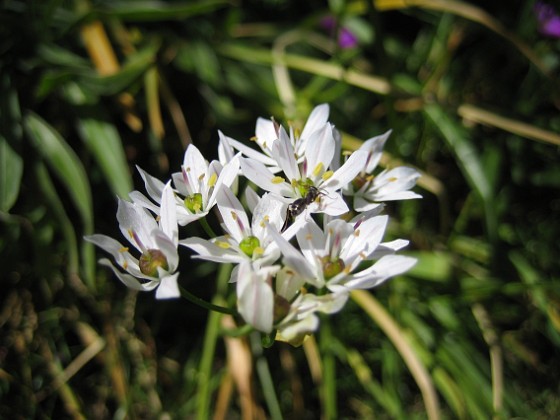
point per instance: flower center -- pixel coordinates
(331, 267)
(302, 186)
(194, 202)
(250, 246)
(150, 260)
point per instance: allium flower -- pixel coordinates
(313, 171)
(334, 257)
(267, 132)
(243, 241)
(548, 19)
(197, 186)
(157, 243)
(255, 297)
(392, 184)
(302, 319)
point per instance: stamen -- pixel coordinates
(277, 180)
(318, 169)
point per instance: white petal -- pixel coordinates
(195, 168)
(257, 173)
(252, 153)
(168, 216)
(332, 204)
(135, 219)
(128, 280)
(211, 252)
(233, 214)
(138, 198)
(255, 299)
(294, 259)
(366, 238)
(388, 266)
(347, 172)
(284, 154)
(319, 152)
(154, 187)
(374, 147)
(168, 287)
(316, 120)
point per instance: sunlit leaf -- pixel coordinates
(104, 142)
(64, 162)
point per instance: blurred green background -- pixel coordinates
(470, 90)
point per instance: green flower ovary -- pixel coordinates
(331, 267)
(150, 260)
(250, 246)
(302, 186)
(194, 202)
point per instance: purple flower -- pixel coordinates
(548, 19)
(346, 39)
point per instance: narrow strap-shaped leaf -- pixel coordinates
(104, 142)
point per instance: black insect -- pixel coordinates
(298, 206)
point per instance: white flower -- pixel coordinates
(243, 241)
(390, 185)
(255, 297)
(267, 132)
(302, 319)
(332, 257)
(198, 183)
(312, 172)
(157, 243)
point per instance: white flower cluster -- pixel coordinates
(287, 266)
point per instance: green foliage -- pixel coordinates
(91, 89)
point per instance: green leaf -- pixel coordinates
(458, 140)
(103, 141)
(159, 10)
(11, 170)
(131, 71)
(11, 163)
(64, 162)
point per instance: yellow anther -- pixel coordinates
(234, 215)
(123, 249)
(357, 232)
(327, 175)
(277, 180)
(222, 244)
(212, 180)
(318, 169)
(201, 177)
(258, 251)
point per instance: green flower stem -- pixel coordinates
(265, 378)
(204, 392)
(209, 231)
(328, 387)
(204, 304)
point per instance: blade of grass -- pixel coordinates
(66, 165)
(458, 141)
(472, 13)
(104, 142)
(382, 318)
(482, 116)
